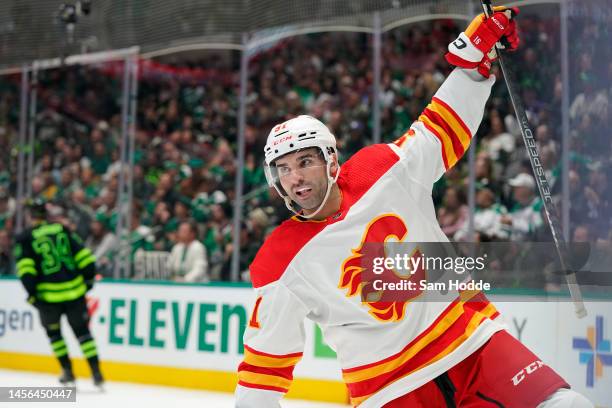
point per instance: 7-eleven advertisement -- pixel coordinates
(157, 331)
(191, 335)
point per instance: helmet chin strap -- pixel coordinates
(330, 182)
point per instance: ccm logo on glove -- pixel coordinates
(498, 24)
(473, 48)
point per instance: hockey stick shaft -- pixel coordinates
(540, 176)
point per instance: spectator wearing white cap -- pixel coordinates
(525, 215)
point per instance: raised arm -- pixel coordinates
(443, 132)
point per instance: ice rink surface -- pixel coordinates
(118, 394)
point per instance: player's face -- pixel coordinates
(303, 176)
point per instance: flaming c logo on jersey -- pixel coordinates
(378, 231)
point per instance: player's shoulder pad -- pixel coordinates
(73, 234)
(369, 157)
(280, 248)
(364, 168)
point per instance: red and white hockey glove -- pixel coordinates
(474, 47)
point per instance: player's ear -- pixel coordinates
(333, 168)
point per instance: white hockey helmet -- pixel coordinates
(296, 134)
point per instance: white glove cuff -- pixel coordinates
(463, 48)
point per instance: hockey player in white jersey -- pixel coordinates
(392, 354)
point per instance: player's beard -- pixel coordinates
(315, 197)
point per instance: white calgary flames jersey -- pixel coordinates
(303, 269)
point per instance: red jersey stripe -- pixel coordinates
(438, 120)
(263, 387)
(284, 372)
(452, 112)
(261, 353)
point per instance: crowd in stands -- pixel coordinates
(185, 155)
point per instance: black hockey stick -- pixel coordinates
(542, 182)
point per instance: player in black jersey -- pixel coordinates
(57, 271)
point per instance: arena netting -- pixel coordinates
(31, 29)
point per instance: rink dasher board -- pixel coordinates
(190, 335)
(162, 333)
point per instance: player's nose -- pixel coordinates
(296, 177)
